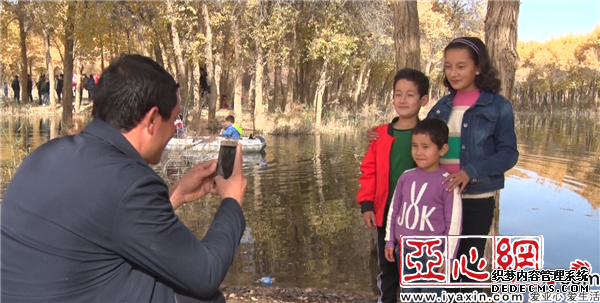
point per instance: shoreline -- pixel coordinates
(24, 110)
(265, 294)
(297, 122)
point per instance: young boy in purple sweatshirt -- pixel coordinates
(421, 204)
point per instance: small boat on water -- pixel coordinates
(249, 145)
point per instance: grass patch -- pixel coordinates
(14, 150)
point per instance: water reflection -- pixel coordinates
(555, 188)
(305, 229)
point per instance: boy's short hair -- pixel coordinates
(435, 128)
(230, 118)
(416, 77)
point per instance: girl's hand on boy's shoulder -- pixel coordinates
(372, 135)
(389, 254)
(460, 178)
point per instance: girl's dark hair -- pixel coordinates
(488, 79)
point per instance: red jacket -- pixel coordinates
(375, 168)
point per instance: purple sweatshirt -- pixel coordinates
(422, 206)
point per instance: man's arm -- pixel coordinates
(147, 233)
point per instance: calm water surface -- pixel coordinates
(304, 227)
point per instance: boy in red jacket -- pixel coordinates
(386, 159)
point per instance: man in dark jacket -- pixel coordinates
(16, 87)
(60, 80)
(89, 86)
(30, 88)
(100, 225)
(204, 87)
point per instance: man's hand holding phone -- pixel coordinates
(234, 186)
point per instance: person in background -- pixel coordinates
(38, 85)
(84, 80)
(204, 86)
(30, 87)
(232, 130)
(60, 81)
(180, 130)
(5, 89)
(89, 86)
(16, 87)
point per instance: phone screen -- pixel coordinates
(226, 158)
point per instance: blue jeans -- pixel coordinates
(409, 271)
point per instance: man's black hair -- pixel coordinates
(129, 88)
(416, 77)
(230, 118)
(436, 129)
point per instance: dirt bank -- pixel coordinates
(273, 294)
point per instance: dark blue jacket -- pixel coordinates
(85, 219)
(488, 139)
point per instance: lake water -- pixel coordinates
(305, 229)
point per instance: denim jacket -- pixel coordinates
(488, 140)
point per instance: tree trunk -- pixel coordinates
(67, 102)
(53, 127)
(365, 91)
(197, 112)
(259, 108)
(79, 88)
(251, 102)
(291, 77)
(192, 114)
(337, 96)
(303, 89)
(335, 79)
(359, 85)
(237, 98)
(216, 87)
(178, 53)
(278, 100)
(501, 40)
(158, 53)
(102, 58)
(141, 39)
(406, 35)
(192, 87)
(321, 85)
(208, 55)
(50, 67)
(23, 45)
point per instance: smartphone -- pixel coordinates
(226, 159)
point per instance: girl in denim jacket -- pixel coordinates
(483, 143)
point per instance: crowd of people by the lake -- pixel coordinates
(100, 224)
(43, 88)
